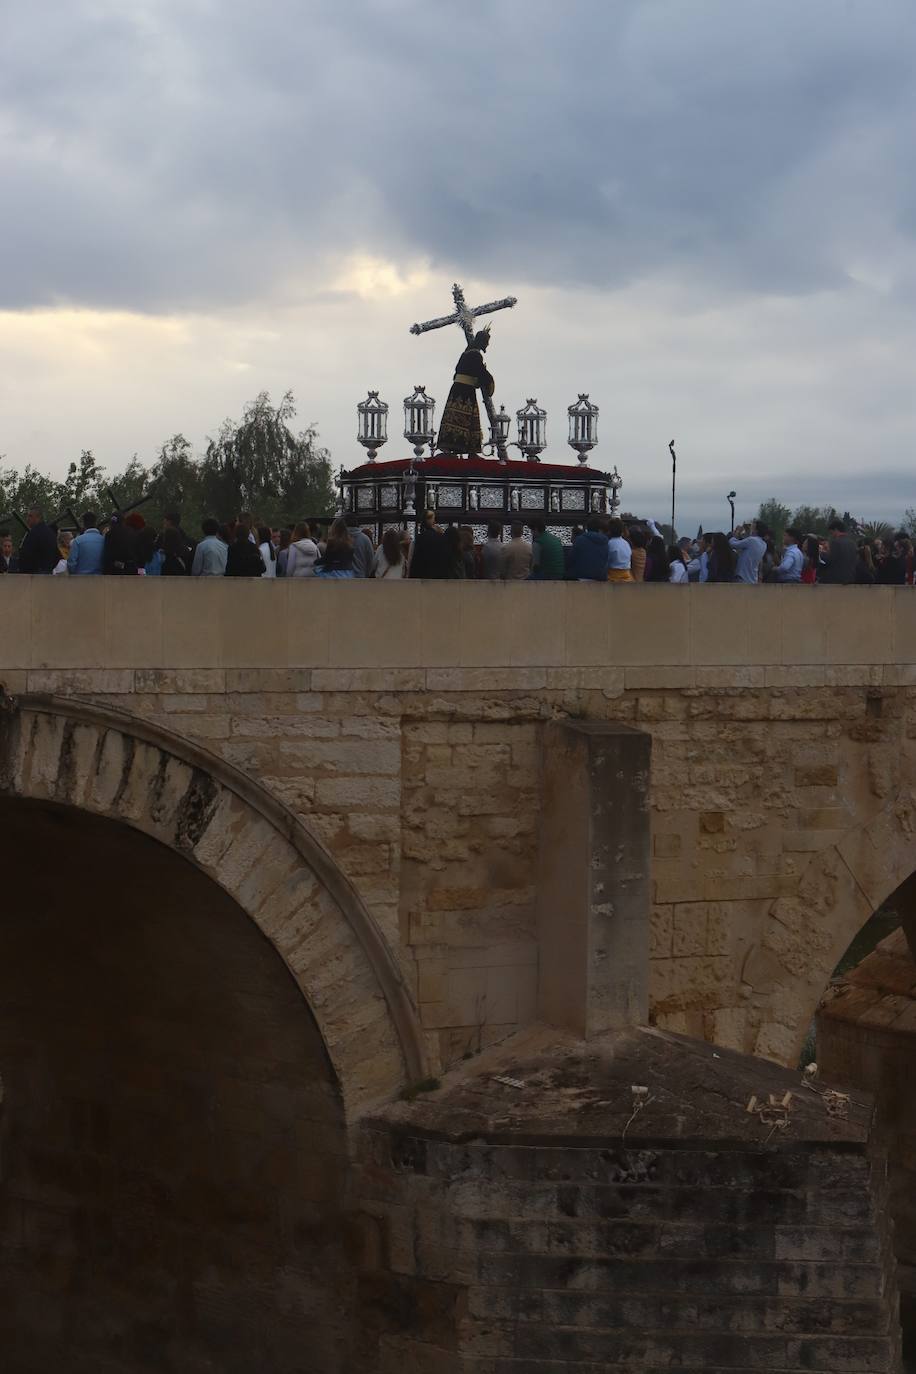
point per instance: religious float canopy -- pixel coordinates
(465, 479)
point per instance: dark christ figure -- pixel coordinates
(459, 430)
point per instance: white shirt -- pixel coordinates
(390, 571)
(678, 572)
(270, 564)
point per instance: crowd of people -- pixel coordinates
(606, 550)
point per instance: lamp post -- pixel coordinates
(583, 426)
(373, 424)
(532, 429)
(673, 484)
(419, 415)
(731, 502)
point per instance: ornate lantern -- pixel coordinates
(615, 482)
(501, 425)
(419, 414)
(532, 429)
(583, 426)
(373, 424)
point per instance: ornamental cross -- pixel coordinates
(465, 315)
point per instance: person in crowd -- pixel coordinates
(492, 555)
(811, 548)
(171, 520)
(318, 537)
(119, 556)
(428, 557)
(453, 555)
(87, 549)
(337, 559)
(64, 540)
(38, 550)
(750, 544)
(267, 551)
(698, 563)
(721, 560)
(9, 559)
(515, 565)
(247, 520)
(243, 558)
(175, 552)
(150, 556)
(389, 561)
(363, 553)
(590, 554)
(677, 564)
(792, 563)
(467, 551)
(212, 553)
(303, 552)
(839, 558)
(865, 568)
(638, 541)
(284, 539)
(658, 567)
(619, 553)
(547, 561)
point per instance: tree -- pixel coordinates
(775, 516)
(909, 522)
(876, 529)
(814, 519)
(260, 465)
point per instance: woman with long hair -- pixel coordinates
(721, 561)
(677, 568)
(267, 551)
(811, 548)
(337, 559)
(657, 566)
(174, 554)
(389, 560)
(453, 560)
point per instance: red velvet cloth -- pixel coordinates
(451, 465)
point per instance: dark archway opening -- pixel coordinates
(172, 1148)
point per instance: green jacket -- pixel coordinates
(551, 566)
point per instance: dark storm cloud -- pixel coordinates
(164, 155)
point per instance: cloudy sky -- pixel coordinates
(706, 209)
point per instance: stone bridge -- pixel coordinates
(363, 813)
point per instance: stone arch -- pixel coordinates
(115, 765)
(805, 935)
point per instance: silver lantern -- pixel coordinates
(419, 417)
(583, 426)
(532, 429)
(373, 424)
(615, 482)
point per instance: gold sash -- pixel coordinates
(465, 380)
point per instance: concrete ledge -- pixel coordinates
(111, 622)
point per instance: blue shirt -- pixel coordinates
(85, 556)
(790, 569)
(618, 554)
(750, 555)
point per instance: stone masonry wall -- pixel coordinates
(511, 1259)
(404, 727)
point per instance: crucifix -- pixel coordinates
(465, 315)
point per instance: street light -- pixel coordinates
(731, 502)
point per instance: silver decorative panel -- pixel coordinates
(389, 496)
(562, 532)
(532, 498)
(573, 498)
(492, 498)
(365, 498)
(451, 496)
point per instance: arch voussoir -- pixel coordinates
(116, 766)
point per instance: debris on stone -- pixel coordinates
(508, 1082)
(773, 1113)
